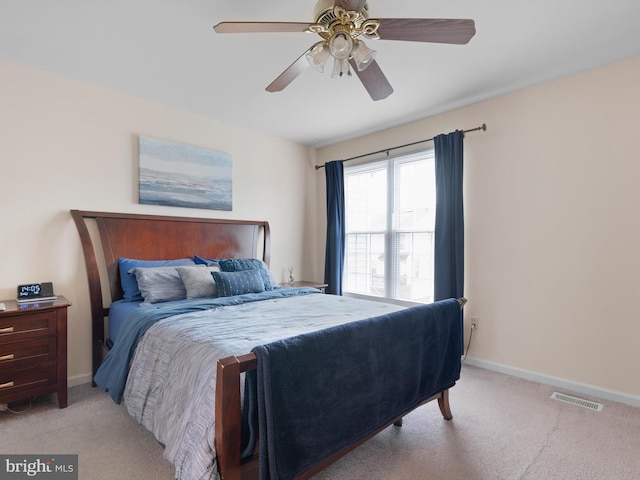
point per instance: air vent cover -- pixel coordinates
(581, 402)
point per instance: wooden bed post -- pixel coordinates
(95, 292)
(228, 427)
(227, 430)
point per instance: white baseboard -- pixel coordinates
(562, 383)
(78, 380)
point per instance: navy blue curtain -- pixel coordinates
(334, 254)
(449, 229)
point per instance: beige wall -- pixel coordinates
(551, 206)
(552, 213)
(66, 145)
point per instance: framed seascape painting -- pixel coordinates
(181, 175)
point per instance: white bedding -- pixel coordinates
(171, 384)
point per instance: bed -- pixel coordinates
(250, 382)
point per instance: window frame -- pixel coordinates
(390, 280)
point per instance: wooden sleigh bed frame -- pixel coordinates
(106, 237)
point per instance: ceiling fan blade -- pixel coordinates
(290, 74)
(373, 80)
(437, 30)
(260, 27)
(351, 5)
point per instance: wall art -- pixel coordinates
(180, 175)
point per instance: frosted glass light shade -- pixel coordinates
(341, 68)
(318, 55)
(363, 55)
(340, 45)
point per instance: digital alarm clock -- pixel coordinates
(35, 292)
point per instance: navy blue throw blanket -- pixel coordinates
(320, 392)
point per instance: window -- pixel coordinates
(390, 218)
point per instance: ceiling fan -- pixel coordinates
(342, 24)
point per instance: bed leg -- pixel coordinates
(398, 423)
(443, 403)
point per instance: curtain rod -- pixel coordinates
(483, 127)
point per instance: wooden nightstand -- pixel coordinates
(302, 283)
(33, 350)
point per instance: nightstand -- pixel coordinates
(33, 350)
(302, 283)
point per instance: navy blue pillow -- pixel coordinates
(205, 261)
(238, 283)
(129, 282)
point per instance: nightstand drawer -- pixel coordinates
(23, 327)
(28, 353)
(16, 381)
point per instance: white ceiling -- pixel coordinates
(166, 51)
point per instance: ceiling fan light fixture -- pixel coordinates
(342, 24)
(363, 55)
(341, 45)
(341, 68)
(318, 55)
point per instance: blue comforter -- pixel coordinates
(112, 374)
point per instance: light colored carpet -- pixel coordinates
(109, 443)
(503, 428)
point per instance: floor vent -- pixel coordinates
(581, 402)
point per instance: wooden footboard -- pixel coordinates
(228, 430)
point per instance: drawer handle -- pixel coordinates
(6, 357)
(6, 385)
(6, 330)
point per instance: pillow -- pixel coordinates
(128, 281)
(198, 280)
(242, 264)
(205, 261)
(159, 284)
(238, 283)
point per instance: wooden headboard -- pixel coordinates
(154, 237)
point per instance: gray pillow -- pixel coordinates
(160, 284)
(198, 280)
(130, 290)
